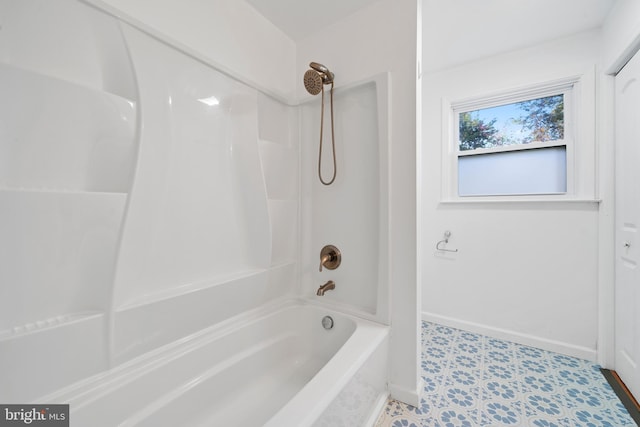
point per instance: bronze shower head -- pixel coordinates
(315, 78)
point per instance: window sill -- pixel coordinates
(517, 201)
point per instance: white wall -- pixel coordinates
(222, 32)
(474, 30)
(524, 271)
(357, 48)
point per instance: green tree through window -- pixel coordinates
(544, 119)
(534, 120)
(476, 133)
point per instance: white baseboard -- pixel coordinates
(517, 337)
(403, 394)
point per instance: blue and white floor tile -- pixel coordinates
(473, 380)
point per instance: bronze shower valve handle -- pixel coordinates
(330, 257)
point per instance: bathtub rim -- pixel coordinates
(314, 398)
(369, 335)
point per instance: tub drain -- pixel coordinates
(327, 322)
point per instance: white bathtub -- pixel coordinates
(280, 368)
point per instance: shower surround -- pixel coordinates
(154, 198)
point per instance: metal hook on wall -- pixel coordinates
(441, 243)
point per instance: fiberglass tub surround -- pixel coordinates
(351, 213)
(155, 218)
(116, 175)
(68, 122)
(181, 252)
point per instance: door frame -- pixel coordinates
(607, 214)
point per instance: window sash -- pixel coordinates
(464, 107)
(514, 147)
(541, 171)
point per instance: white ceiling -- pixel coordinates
(454, 31)
(458, 31)
(299, 18)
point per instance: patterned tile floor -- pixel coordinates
(473, 380)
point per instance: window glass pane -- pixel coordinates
(540, 119)
(537, 171)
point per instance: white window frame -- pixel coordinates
(579, 139)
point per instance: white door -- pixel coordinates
(627, 286)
